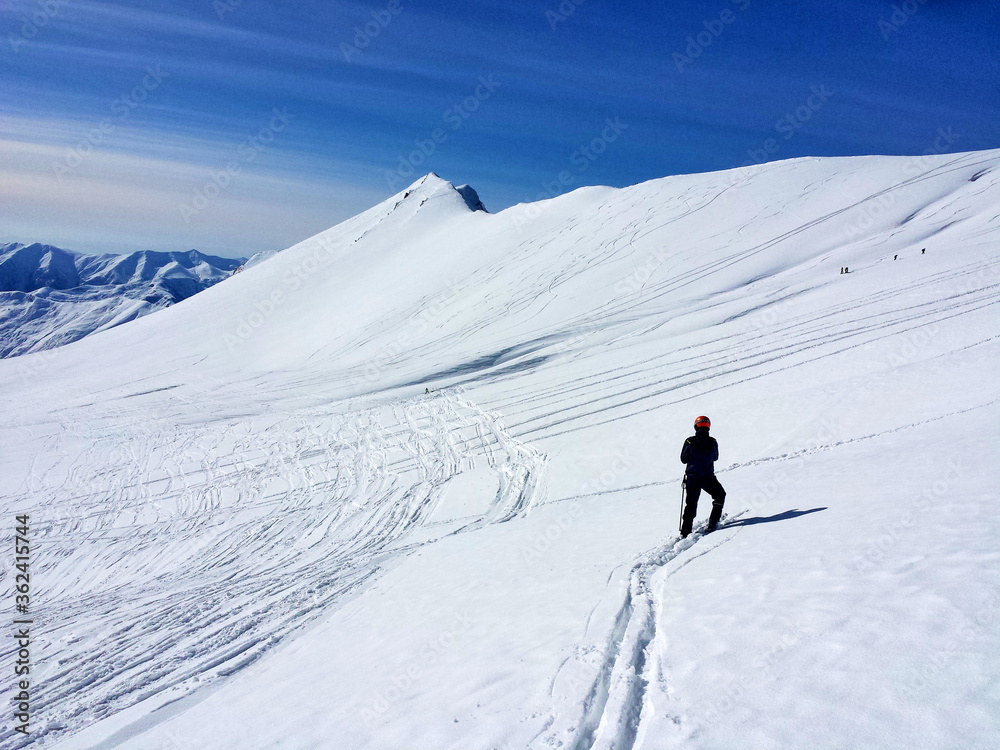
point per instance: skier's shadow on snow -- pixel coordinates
(779, 517)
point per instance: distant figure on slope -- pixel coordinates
(700, 452)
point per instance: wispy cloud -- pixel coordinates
(357, 115)
(116, 201)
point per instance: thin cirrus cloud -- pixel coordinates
(366, 84)
(91, 199)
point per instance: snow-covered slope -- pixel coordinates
(413, 483)
(50, 297)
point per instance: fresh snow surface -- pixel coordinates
(50, 297)
(414, 482)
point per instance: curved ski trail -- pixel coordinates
(180, 550)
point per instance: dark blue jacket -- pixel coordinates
(700, 452)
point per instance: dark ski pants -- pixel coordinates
(694, 487)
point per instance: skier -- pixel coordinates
(700, 452)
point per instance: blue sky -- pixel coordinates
(236, 126)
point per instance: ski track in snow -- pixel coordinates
(679, 375)
(226, 536)
(613, 707)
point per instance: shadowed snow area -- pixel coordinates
(414, 482)
(50, 297)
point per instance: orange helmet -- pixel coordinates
(703, 422)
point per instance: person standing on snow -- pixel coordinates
(700, 452)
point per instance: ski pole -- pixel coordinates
(684, 481)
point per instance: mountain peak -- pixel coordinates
(432, 184)
(471, 197)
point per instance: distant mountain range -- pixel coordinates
(50, 297)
